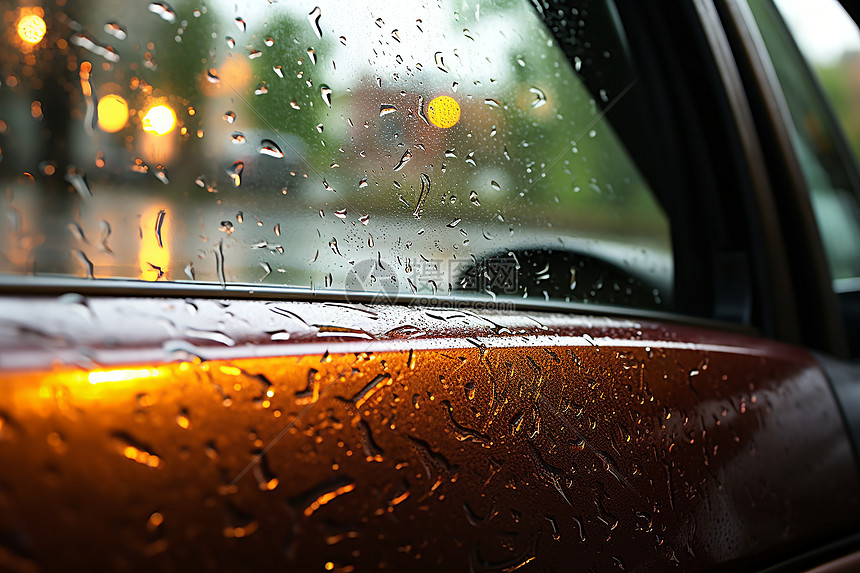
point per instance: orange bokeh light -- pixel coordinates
(32, 28)
(443, 111)
(159, 119)
(112, 113)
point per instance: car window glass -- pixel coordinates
(450, 149)
(825, 107)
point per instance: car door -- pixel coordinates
(488, 287)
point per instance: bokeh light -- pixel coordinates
(443, 112)
(31, 29)
(112, 113)
(160, 120)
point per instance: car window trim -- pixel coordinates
(14, 285)
(819, 316)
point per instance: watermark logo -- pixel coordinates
(373, 277)
(497, 275)
(433, 281)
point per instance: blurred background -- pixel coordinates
(286, 143)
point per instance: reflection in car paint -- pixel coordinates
(273, 432)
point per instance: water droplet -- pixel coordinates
(236, 523)
(154, 522)
(422, 195)
(440, 63)
(159, 223)
(363, 183)
(107, 52)
(270, 148)
(231, 43)
(314, 19)
(135, 451)
(254, 54)
(235, 173)
(85, 262)
(495, 185)
(229, 117)
(421, 113)
(237, 138)
(312, 55)
(182, 419)
(261, 89)
(323, 494)
(79, 182)
(473, 197)
(266, 479)
(240, 23)
(212, 76)
(76, 230)
(364, 219)
(492, 103)
(395, 35)
(540, 97)
(164, 11)
(325, 92)
(116, 31)
(386, 108)
(404, 159)
(556, 534)
(269, 42)
(278, 71)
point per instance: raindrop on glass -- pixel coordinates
(116, 31)
(270, 148)
(235, 173)
(325, 92)
(540, 97)
(314, 19)
(163, 10)
(404, 159)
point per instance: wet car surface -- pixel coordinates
(250, 434)
(496, 286)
